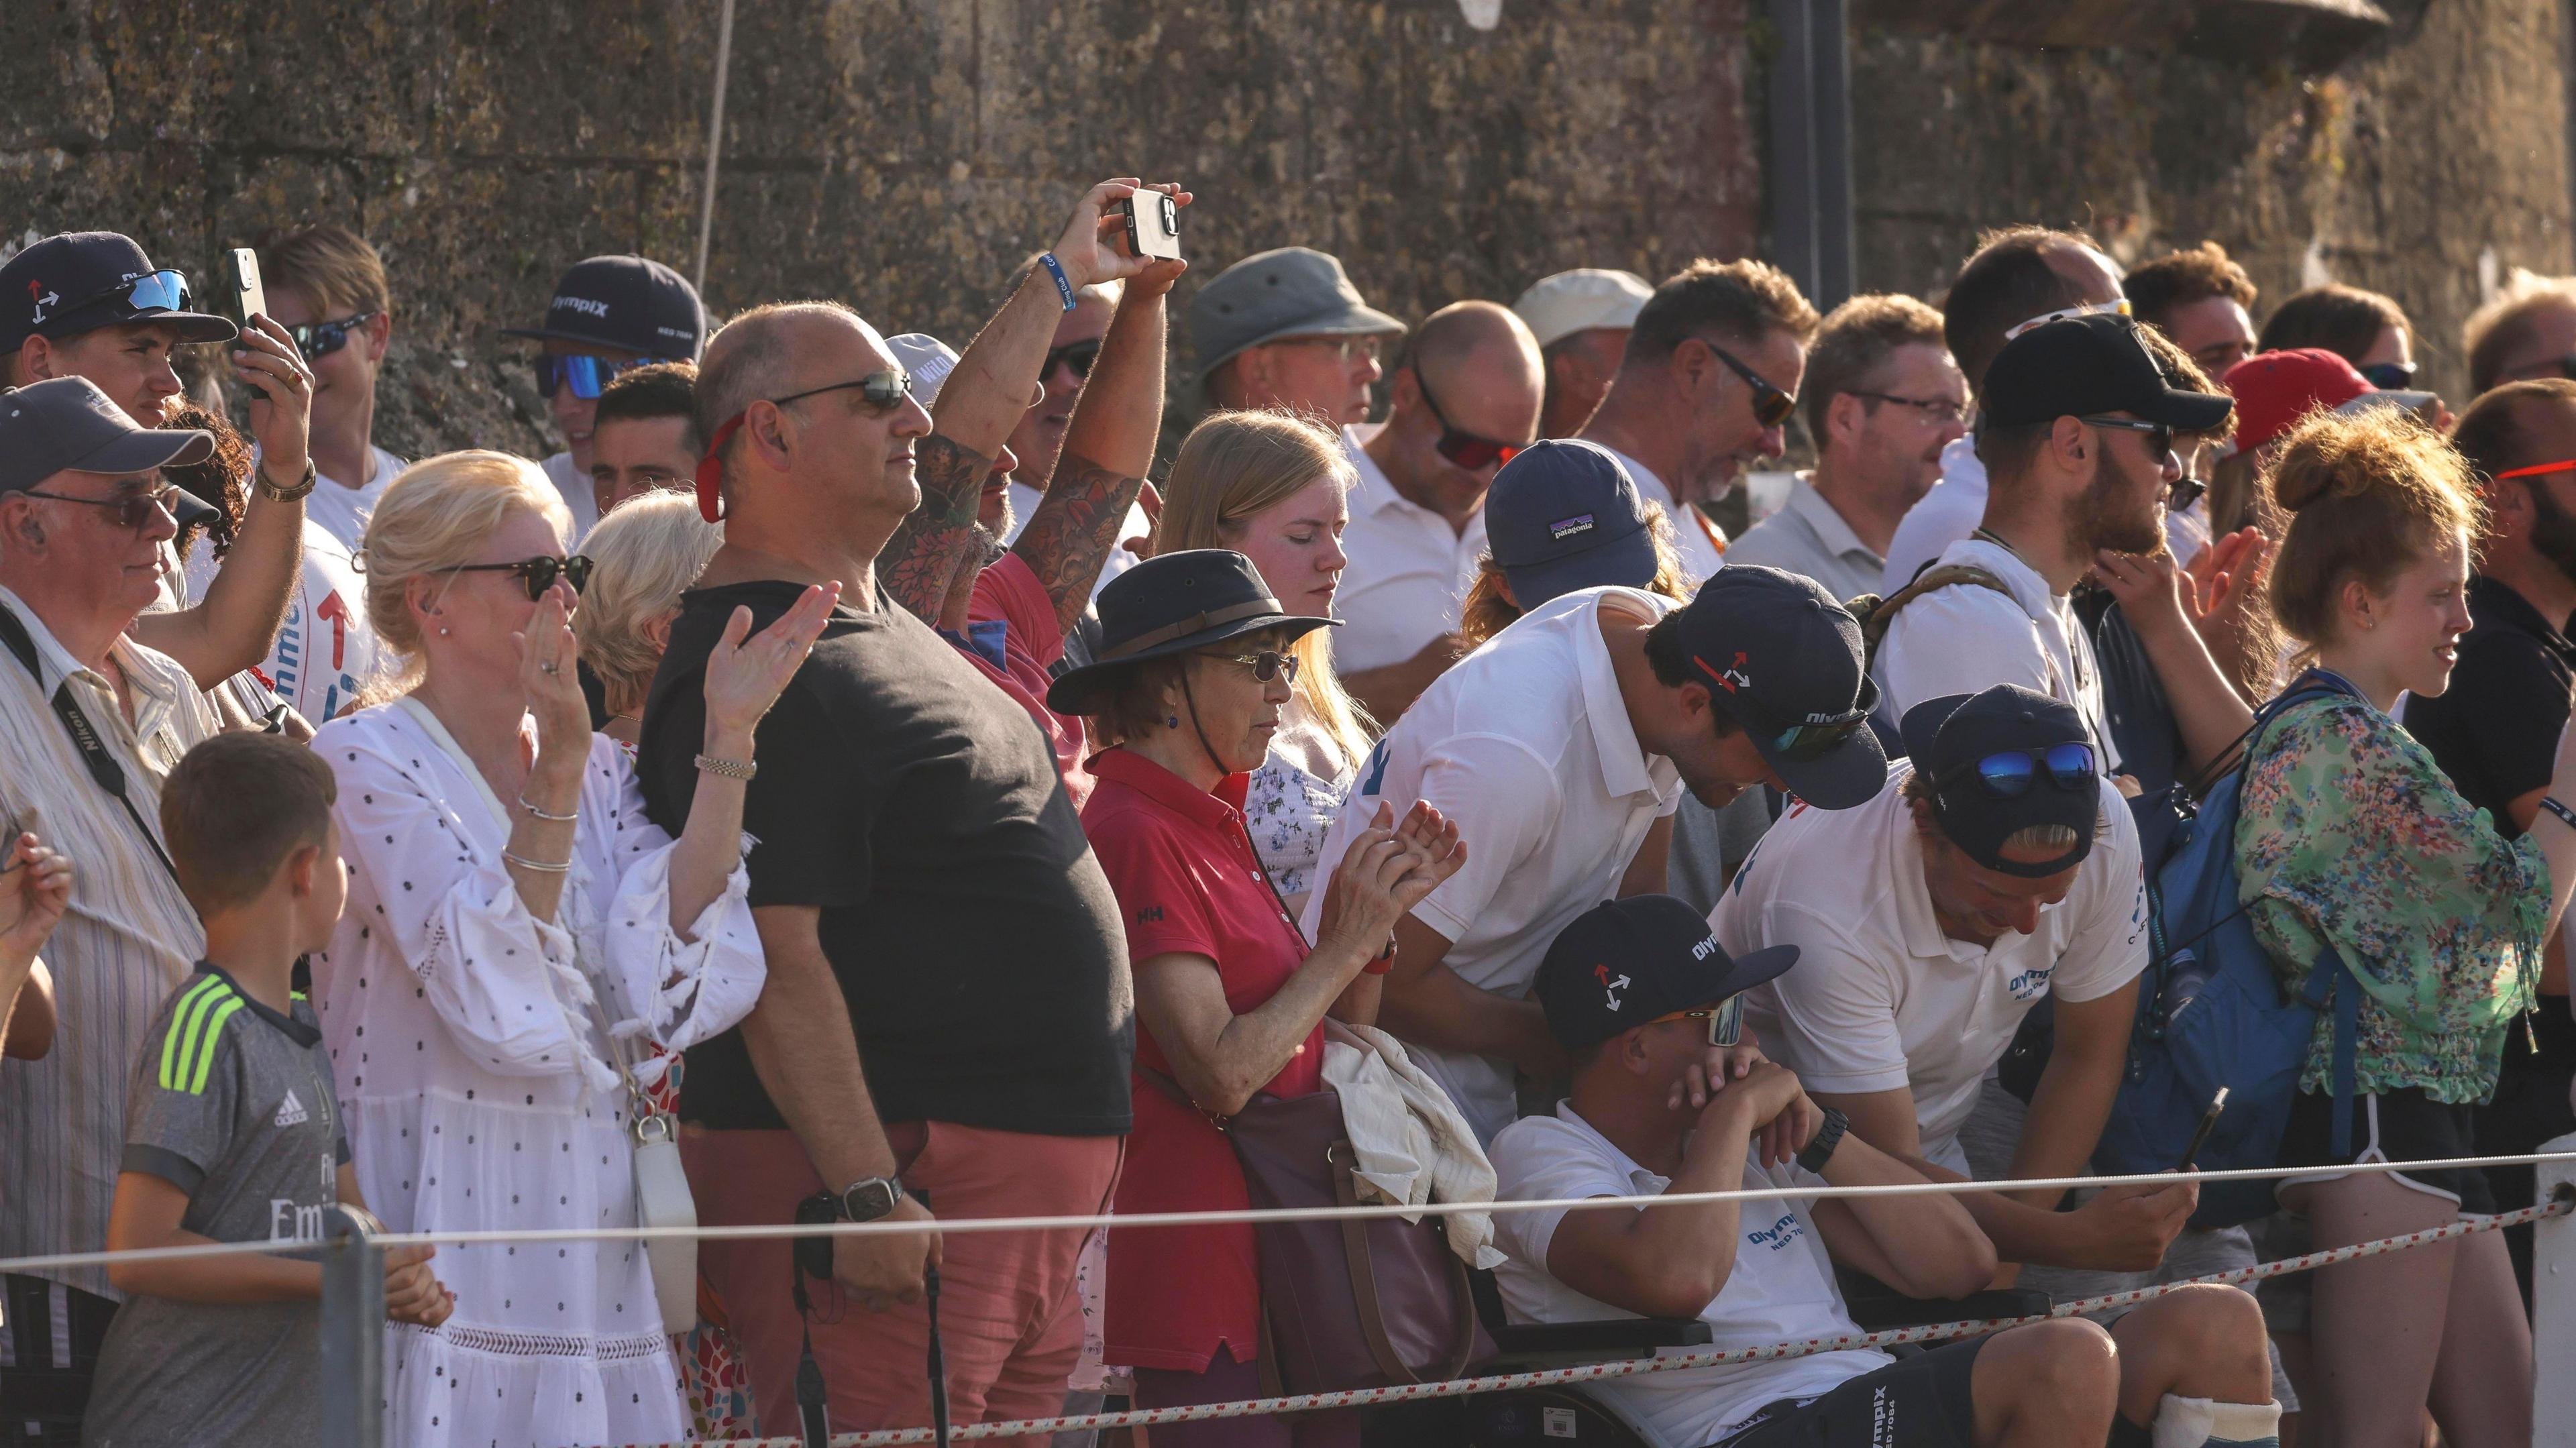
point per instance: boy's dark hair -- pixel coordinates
(662, 389)
(2005, 282)
(2343, 320)
(236, 807)
(2181, 278)
(1743, 301)
(1671, 660)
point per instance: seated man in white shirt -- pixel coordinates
(1636, 992)
(1561, 748)
(1999, 869)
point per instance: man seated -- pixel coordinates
(1635, 991)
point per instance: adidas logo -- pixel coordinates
(290, 1112)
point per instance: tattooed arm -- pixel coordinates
(1107, 448)
(922, 558)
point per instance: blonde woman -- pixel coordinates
(514, 922)
(1272, 486)
(643, 556)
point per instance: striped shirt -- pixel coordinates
(127, 941)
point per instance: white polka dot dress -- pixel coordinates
(478, 1092)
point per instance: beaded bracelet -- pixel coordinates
(742, 769)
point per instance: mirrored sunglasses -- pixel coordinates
(1725, 1020)
(161, 291)
(1466, 449)
(317, 340)
(1266, 665)
(538, 574)
(2007, 774)
(584, 375)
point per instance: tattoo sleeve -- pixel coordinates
(922, 558)
(1070, 535)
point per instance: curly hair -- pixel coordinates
(2181, 278)
(217, 479)
(2369, 495)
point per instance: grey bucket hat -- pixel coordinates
(1294, 291)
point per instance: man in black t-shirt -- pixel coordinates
(2495, 730)
(947, 1018)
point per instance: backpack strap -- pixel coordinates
(1876, 614)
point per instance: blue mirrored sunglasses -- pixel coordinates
(161, 291)
(321, 339)
(2008, 773)
(584, 375)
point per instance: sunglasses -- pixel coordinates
(2160, 436)
(1725, 1020)
(320, 339)
(2068, 314)
(1771, 406)
(539, 574)
(161, 291)
(1077, 355)
(584, 375)
(1266, 665)
(2009, 773)
(2388, 376)
(133, 510)
(1465, 449)
(1803, 741)
(884, 391)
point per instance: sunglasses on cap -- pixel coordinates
(2160, 436)
(1465, 449)
(1077, 355)
(317, 340)
(884, 392)
(1266, 665)
(1725, 1020)
(2388, 376)
(585, 375)
(2008, 774)
(161, 291)
(2067, 314)
(1800, 742)
(1771, 406)
(133, 510)
(539, 573)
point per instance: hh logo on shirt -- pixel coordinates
(1779, 1234)
(1150, 915)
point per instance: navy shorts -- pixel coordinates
(1917, 1402)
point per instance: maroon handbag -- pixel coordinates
(1357, 1303)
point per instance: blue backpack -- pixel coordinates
(2210, 1014)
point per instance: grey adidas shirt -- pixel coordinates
(232, 1103)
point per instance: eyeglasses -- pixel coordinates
(133, 510)
(2068, 314)
(1466, 449)
(884, 391)
(1771, 406)
(2388, 376)
(1351, 349)
(1266, 665)
(1077, 355)
(161, 291)
(320, 339)
(1935, 409)
(1725, 1020)
(2159, 435)
(585, 375)
(2008, 773)
(538, 573)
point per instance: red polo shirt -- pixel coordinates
(1188, 883)
(1031, 643)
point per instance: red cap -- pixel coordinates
(2273, 390)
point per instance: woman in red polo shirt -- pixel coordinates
(1193, 668)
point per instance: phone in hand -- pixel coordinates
(1153, 221)
(2200, 1133)
(241, 296)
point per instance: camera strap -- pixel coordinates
(813, 1421)
(103, 768)
(815, 1426)
(938, 1361)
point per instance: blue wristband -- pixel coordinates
(1055, 269)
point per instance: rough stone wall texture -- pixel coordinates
(901, 155)
(2438, 157)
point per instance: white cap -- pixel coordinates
(2395, 401)
(928, 359)
(1579, 300)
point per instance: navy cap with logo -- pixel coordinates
(625, 303)
(65, 424)
(2088, 366)
(81, 281)
(2003, 761)
(1563, 515)
(1623, 963)
(1783, 659)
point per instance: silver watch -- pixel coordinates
(869, 1198)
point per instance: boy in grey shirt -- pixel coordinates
(232, 1131)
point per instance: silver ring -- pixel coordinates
(550, 666)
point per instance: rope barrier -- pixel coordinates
(2561, 1206)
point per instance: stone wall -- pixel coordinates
(902, 155)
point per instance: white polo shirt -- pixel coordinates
(1781, 1289)
(1941, 517)
(1700, 552)
(1967, 639)
(1526, 744)
(1408, 573)
(1882, 999)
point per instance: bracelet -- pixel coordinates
(1055, 269)
(2565, 815)
(540, 866)
(541, 814)
(275, 494)
(742, 769)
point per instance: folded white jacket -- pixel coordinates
(1411, 1145)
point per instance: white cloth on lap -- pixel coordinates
(1409, 1145)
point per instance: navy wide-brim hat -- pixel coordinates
(1170, 604)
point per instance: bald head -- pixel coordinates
(757, 355)
(1473, 370)
(1464, 332)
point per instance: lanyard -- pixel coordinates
(103, 767)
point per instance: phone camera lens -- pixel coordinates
(1171, 216)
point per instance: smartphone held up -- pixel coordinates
(1153, 222)
(241, 296)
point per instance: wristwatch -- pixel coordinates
(1828, 1137)
(868, 1199)
(276, 494)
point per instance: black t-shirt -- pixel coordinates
(974, 936)
(2495, 730)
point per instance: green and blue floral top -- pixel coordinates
(2349, 832)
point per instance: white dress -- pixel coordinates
(476, 1090)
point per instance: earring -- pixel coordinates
(442, 631)
(1171, 721)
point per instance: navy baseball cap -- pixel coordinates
(629, 303)
(1623, 963)
(81, 281)
(1783, 658)
(2087, 366)
(1563, 515)
(2002, 762)
(65, 424)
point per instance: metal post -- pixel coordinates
(1809, 177)
(2553, 1309)
(715, 143)
(353, 1332)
